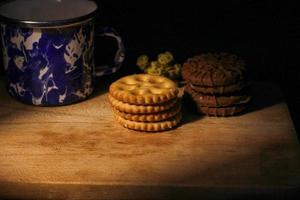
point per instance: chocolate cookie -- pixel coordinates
(219, 89)
(217, 100)
(214, 70)
(221, 111)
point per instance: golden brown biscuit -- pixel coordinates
(140, 109)
(143, 89)
(150, 126)
(155, 117)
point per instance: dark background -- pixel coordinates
(264, 33)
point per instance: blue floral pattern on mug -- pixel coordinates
(49, 66)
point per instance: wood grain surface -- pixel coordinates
(80, 152)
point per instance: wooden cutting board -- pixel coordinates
(80, 152)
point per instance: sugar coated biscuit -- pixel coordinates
(143, 89)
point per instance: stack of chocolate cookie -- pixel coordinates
(145, 102)
(216, 83)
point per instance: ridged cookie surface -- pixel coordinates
(143, 89)
(154, 117)
(150, 126)
(141, 109)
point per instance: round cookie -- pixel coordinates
(143, 89)
(155, 117)
(150, 126)
(213, 70)
(221, 111)
(219, 89)
(217, 100)
(141, 109)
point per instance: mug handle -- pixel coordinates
(119, 57)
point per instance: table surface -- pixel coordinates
(80, 152)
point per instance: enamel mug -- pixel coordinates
(48, 50)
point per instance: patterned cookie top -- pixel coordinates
(213, 69)
(143, 89)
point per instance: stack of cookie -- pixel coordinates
(216, 83)
(145, 102)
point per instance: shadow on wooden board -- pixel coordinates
(90, 192)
